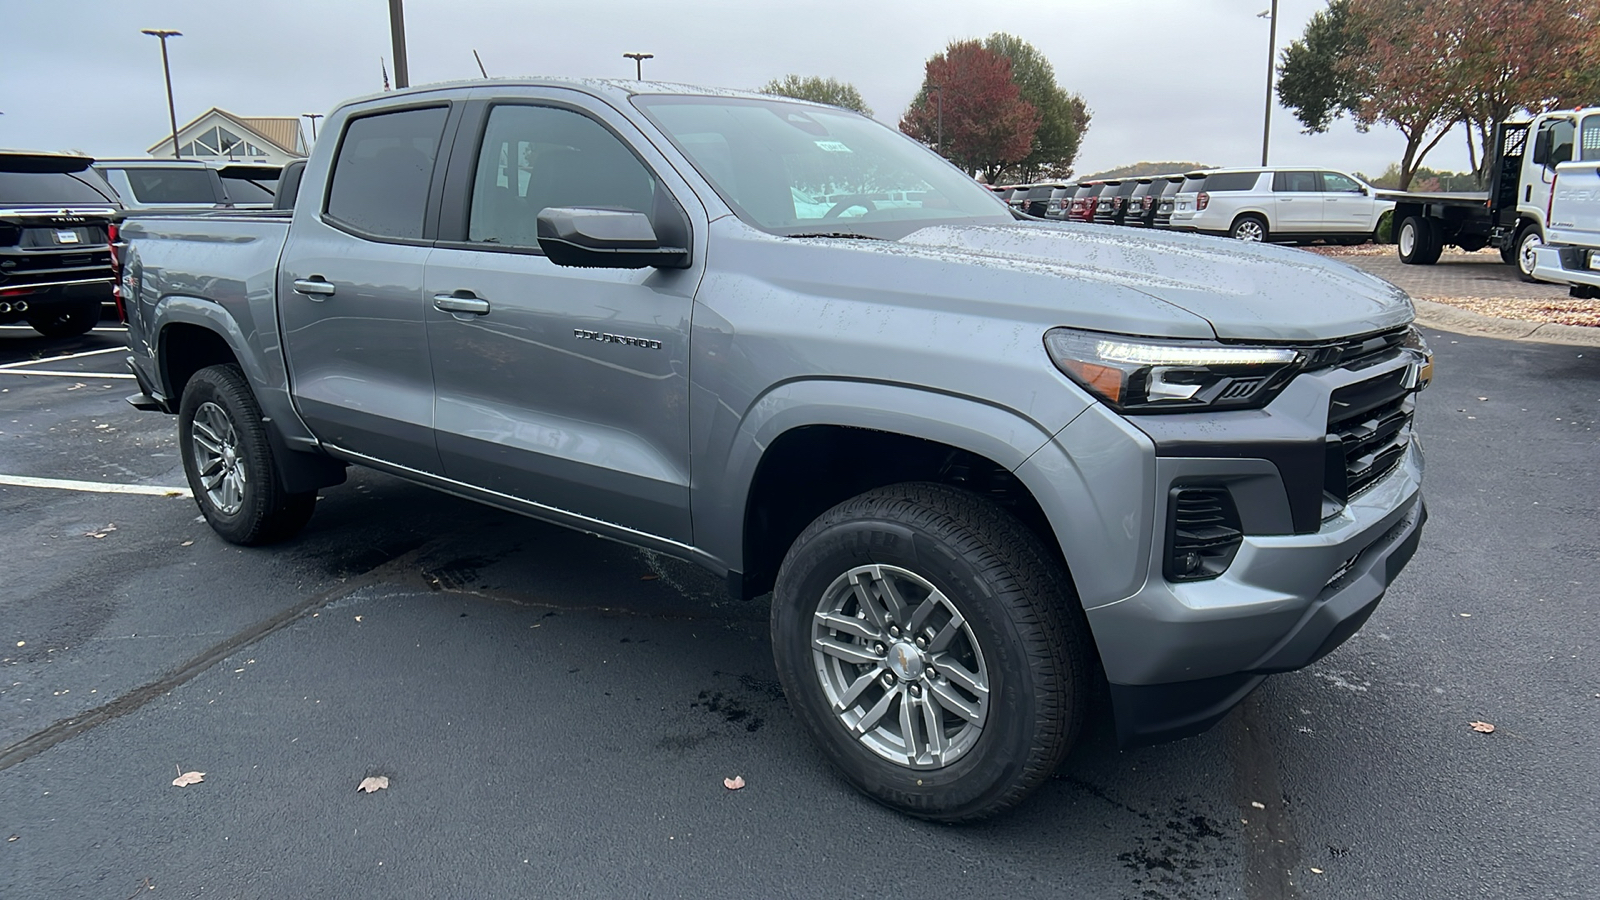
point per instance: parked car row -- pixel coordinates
(1256, 204)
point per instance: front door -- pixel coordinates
(1346, 207)
(565, 387)
(351, 292)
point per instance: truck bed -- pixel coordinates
(1448, 199)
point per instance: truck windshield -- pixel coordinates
(792, 169)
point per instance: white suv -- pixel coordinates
(1278, 204)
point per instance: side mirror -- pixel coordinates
(604, 239)
(1541, 147)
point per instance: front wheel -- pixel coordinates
(1252, 229)
(1528, 242)
(228, 460)
(933, 648)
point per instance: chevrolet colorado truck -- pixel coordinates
(984, 464)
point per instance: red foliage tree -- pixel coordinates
(987, 126)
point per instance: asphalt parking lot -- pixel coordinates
(556, 714)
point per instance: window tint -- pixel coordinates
(54, 187)
(1193, 185)
(1333, 181)
(1231, 181)
(1591, 138)
(177, 184)
(1562, 132)
(249, 187)
(537, 157)
(1294, 182)
(381, 176)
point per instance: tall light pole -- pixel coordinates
(939, 119)
(638, 63)
(397, 35)
(172, 113)
(1272, 45)
(313, 117)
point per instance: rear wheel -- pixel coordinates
(1252, 229)
(65, 320)
(1528, 241)
(933, 648)
(229, 463)
(1418, 241)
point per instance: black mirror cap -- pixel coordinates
(592, 238)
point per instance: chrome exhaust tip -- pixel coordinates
(20, 306)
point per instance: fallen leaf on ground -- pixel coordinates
(651, 577)
(187, 778)
(186, 543)
(13, 838)
(734, 783)
(373, 783)
(358, 618)
(1258, 804)
(1316, 870)
(1482, 727)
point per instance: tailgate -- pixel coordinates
(42, 248)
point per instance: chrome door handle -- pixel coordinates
(315, 285)
(456, 303)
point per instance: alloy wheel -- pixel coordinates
(218, 459)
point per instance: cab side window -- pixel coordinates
(538, 157)
(381, 176)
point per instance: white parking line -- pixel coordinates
(91, 376)
(51, 359)
(97, 487)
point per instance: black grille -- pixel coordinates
(1369, 427)
(1203, 533)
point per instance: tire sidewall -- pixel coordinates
(1257, 221)
(1530, 234)
(986, 770)
(209, 385)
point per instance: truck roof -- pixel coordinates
(618, 89)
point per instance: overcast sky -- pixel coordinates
(80, 76)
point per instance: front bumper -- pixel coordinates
(1305, 577)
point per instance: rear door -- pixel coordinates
(350, 289)
(1297, 202)
(564, 387)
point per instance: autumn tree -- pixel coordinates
(1063, 117)
(986, 124)
(1312, 80)
(818, 90)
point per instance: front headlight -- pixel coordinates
(1145, 375)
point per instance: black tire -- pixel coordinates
(1418, 241)
(64, 320)
(1528, 238)
(1508, 252)
(1023, 626)
(1251, 228)
(265, 512)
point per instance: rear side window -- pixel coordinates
(1294, 183)
(1231, 181)
(244, 187)
(537, 157)
(177, 184)
(381, 176)
(1193, 185)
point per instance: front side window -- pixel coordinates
(1294, 183)
(794, 169)
(381, 175)
(1333, 182)
(538, 157)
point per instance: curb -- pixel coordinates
(1460, 321)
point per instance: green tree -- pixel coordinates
(1311, 80)
(818, 90)
(1063, 117)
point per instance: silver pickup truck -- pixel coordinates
(984, 465)
(1570, 254)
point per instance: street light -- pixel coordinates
(313, 117)
(638, 63)
(397, 38)
(939, 119)
(172, 114)
(1272, 45)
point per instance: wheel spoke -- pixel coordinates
(926, 608)
(908, 728)
(849, 625)
(207, 442)
(891, 598)
(941, 641)
(850, 653)
(861, 586)
(961, 706)
(934, 723)
(875, 715)
(856, 689)
(960, 677)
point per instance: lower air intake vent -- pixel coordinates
(1203, 533)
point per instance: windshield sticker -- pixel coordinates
(833, 146)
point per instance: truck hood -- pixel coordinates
(1244, 291)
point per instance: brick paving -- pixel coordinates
(1477, 282)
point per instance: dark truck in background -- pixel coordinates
(982, 462)
(57, 226)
